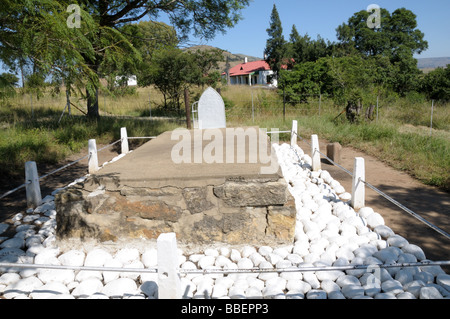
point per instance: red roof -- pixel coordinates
(249, 67)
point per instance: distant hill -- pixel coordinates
(233, 58)
(432, 63)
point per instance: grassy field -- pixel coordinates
(29, 128)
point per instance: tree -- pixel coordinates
(436, 84)
(35, 35)
(398, 29)
(171, 71)
(207, 63)
(27, 26)
(204, 18)
(398, 39)
(275, 47)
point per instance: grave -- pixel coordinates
(211, 110)
(216, 192)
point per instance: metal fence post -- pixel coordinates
(294, 133)
(315, 155)
(169, 283)
(33, 190)
(93, 157)
(358, 187)
(124, 139)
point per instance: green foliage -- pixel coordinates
(275, 47)
(436, 84)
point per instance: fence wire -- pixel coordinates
(210, 271)
(60, 169)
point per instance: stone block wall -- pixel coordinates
(235, 211)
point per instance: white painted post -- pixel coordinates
(294, 133)
(124, 138)
(93, 157)
(169, 283)
(315, 155)
(358, 187)
(33, 190)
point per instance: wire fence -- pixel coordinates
(224, 271)
(88, 156)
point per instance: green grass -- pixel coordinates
(48, 142)
(400, 137)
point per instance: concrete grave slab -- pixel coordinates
(146, 194)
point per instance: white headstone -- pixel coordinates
(211, 110)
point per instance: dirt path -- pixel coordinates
(429, 202)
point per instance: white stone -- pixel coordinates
(9, 279)
(13, 243)
(236, 293)
(429, 293)
(97, 258)
(351, 291)
(311, 279)
(72, 258)
(444, 281)
(414, 287)
(385, 295)
(245, 263)
(219, 291)
(49, 275)
(206, 261)
(316, 294)
(256, 259)
(365, 212)
(120, 287)
(265, 250)
(137, 264)
(3, 228)
(405, 275)
(374, 220)
(23, 286)
(150, 258)
(88, 288)
(127, 255)
(329, 286)
(112, 275)
(50, 290)
(387, 255)
(392, 286)
(414, 250)
(253, 292)
(397, 241)
(384, 231)
(235, 255)
(405, 295)
(336, 295)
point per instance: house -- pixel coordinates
(251, 73)
(126, 80)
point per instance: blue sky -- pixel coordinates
(324, 16)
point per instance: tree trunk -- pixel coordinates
(92, 105)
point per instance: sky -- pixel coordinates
(322, 17)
